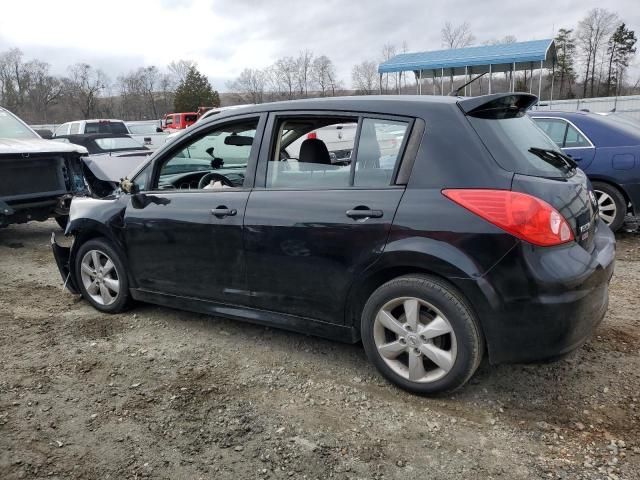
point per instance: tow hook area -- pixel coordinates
(64, 204)
(61, 255)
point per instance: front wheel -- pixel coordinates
(612, 205)
(420, 334)
(102, 277)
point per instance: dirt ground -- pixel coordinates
(159, 393)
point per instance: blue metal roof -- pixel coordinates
(505, 53)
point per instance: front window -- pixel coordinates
(11, 127)
(217, 159)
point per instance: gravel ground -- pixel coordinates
(160, 393)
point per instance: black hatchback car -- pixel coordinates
(450, 228)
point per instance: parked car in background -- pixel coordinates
(608, 150)
(148, 133)
(478, 235)
(80, 127)
(207, 114)
(178, 121)
(37, 177)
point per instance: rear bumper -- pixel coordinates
(543, 303)
(62, 255)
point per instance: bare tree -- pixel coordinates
(84, 86)
(388, 52)
(180, 68)
(304, 62)
(323, 73)
(593, 31)
(285, 76)
(457, 36)
(365, 77)
(250, 85)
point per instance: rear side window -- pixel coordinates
(575, 139)
(75, 128)
(555, 128)
(378, 151)
(512, 141)
(118, 128)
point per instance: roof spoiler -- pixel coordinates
(499, 105)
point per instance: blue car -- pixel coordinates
(608, 150)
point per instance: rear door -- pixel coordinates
(568, 137)
(314, 223)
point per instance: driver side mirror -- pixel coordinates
(159, 130)
(127, 186)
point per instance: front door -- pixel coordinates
(184, 234)
(322, 217)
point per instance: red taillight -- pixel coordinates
(312, 135)
(524, 216)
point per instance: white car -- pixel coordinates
(147, 132)
(97, 125)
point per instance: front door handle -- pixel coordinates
(222, 211)
(358, 213)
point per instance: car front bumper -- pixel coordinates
(62, 256)
(545, 302)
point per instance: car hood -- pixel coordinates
(111, 168)
(37, 145)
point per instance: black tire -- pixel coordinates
(123, 297)
(450, 303)
(619, 201)
(63, 221)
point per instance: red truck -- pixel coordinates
(178, 121)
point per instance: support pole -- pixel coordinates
(553, 74)
(380, 84)
(420, 87)
(540, 84)
(417, 83)
(433, 81)
(490, 75)
(530, 76)
(466, 79)
(513, 77)
(442, 82)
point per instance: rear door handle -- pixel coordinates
(364, 213)
(222, 211)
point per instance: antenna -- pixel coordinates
(454, 93)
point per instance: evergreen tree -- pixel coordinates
(620, 49)
(195, 91)
(565, 51)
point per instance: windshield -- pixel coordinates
(11, 127)
(118, 143)
(143, 128)
(517, 145)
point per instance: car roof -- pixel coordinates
(93, 136)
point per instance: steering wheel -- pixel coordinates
(207, 177)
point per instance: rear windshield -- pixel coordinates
(11, 127)
(118, 143)
(511, 141)
(106, 127)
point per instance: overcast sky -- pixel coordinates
(226, 36)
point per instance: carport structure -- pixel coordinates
(471, 61)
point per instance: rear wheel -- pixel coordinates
(421, 335)
(102, 277)
(612, 205)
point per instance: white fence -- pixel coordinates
(629, 105)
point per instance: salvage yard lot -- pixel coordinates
(166, 394)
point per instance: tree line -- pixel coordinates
(31, 91)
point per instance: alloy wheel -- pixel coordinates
(100, 277)
(606, 206)
(415, 339)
